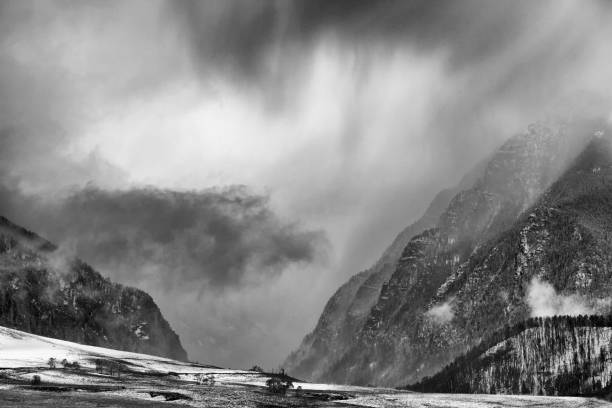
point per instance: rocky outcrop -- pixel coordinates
(44, 293)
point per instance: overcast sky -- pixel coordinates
(239, 160)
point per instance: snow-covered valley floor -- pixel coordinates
(112, 378)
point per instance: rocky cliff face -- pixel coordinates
(43, 293)
(563, 239)
(562, 355)
(469, 274)
(347, 309)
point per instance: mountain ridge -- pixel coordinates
(344, 312)
(416, 325)
(347, 309)
(45, 293)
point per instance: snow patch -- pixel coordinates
(140, 332)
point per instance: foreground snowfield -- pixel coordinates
(156, 381)
(19, 349)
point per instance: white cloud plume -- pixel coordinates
(442, 313)
(544, 301)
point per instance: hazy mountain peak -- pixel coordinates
(471, 273)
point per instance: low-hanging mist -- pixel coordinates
(544, 301)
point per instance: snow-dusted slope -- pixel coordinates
(19, 349)
(346, 310)
(542, 211)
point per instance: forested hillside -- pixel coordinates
(45, 293)
(560, 355)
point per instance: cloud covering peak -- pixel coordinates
(189, 240)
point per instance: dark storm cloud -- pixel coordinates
(233, 34)
(516, 55)
(424, 24)
(244, 35)
(218, 238)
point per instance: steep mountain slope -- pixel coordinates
(562, 355)
(346, 310)
(564, 239)
(411, 331)
(438, 313)
(23, 355)
(43, 293)
(391, 343)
